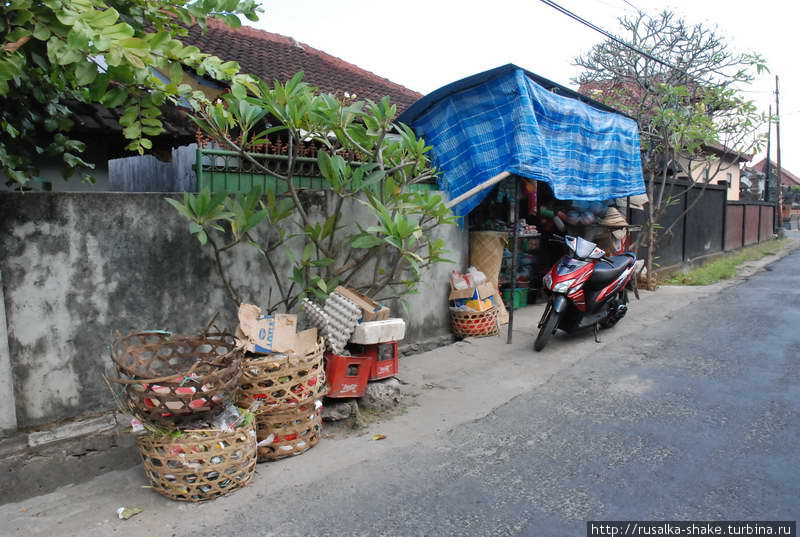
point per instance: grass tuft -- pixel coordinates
(725, 267)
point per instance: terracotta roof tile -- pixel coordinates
(273, 56)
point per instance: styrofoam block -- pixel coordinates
(379, 332)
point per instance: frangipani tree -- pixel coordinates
(689, 101)
(371, 166)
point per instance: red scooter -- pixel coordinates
(585, 288)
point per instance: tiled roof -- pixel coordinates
(727, 153)
(788, 178)
(273, 56)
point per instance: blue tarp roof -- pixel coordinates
(509, 119)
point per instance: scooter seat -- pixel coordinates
(605, 273)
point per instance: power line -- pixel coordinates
(609, 35)
(634, 7)
(627, 45)
(616, 39)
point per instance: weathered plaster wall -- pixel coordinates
(8, 412)
(77, 268)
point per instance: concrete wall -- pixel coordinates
(79, 267)
(8, 412)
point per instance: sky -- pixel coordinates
(424, 45)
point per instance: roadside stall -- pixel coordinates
(519, 156)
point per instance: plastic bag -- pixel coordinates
(228, 419)
(477, 277)
(458, 281)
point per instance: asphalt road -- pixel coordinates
(694, 420)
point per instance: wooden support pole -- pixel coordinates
(472, 191)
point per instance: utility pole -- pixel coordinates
(767, 166)
(778, 142)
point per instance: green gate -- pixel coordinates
(222, 170)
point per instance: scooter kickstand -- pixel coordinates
(597, 333)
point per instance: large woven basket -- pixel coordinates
(283, 434)
(169, 377)
(282, 381)
(474, 323)
(486, 253)
(199, 465)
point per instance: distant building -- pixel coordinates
(718, 165)
(787, 177)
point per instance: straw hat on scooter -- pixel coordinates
(614, 219)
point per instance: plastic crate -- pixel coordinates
(520, 297)
(347, 375)
(385, 360)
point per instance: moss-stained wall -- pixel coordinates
(79, 267)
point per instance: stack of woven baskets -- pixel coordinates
(284, 391)
(196, 445)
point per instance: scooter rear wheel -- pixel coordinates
(548, 329)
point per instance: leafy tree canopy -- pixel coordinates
(122, 54)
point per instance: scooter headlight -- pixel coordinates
(547, 281)
(563, 287)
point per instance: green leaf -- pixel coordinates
(182, 208)
(102, 18)
(85, 73)
(98, 88)
(175, 73)
(308, 251)
(133, 131)
(118, 32)
(157, 40)
(239, 91)
(41, 32)
(115, 97)
(366, 241)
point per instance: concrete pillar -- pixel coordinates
(8, 407)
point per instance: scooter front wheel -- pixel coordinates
(549, 327)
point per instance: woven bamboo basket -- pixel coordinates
(283, 434)
(486, 253)
(474, 323)
(199, 465)
(281, 382)
(169, 378)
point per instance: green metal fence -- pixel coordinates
(221, 170)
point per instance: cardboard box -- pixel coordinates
(483, 291)
(265, 334)
(371, 310)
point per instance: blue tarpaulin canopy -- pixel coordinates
(510, 120)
